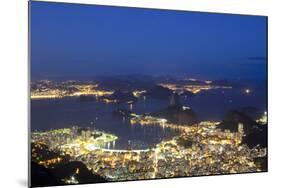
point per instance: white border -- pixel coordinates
(14, 84)
(223, 6)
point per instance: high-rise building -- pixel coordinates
(241, 128)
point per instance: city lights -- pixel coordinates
(212, 151)
(247, 91)
(200, 148)
(180, 88)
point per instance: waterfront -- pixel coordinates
(66, 112)
(119, 96)
(201, 149)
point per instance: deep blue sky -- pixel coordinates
(71, 40)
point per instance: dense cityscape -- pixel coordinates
(201, 148)
(121, 94)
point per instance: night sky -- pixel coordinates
(72, 41)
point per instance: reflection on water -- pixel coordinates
(59, 113)
(212, 105)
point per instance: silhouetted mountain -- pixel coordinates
(177, 114)
(257, 137)
(233, 118)
(56, 173)
(255, 134)
(253, 112)
(159, 92)
(122, 97)
(41, 176)
(84, 175)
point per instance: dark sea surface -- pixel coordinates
(209, 105)
(213, 104)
